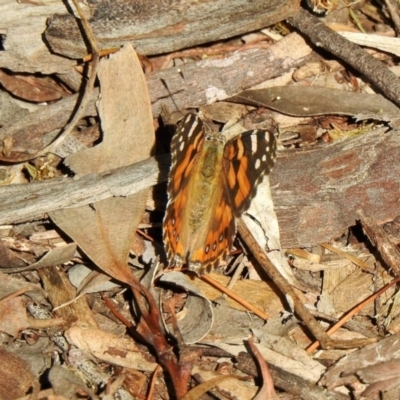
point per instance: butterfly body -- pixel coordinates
(207, 191)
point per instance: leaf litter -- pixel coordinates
(75, 335)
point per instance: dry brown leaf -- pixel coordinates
(104, 231)
(13, 316)
(258, 293)
(32, 88)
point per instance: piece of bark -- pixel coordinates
(381, 241)
(191, 85)
(155, 27)
(23, 47)
(316, 191)
(24, 202)
(204, 82)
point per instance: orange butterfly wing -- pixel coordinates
(249, 157)
(185, 146)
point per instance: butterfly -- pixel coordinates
(211, 182)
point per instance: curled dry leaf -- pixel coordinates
(198, 317)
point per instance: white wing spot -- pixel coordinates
(257, 163)
(254, 143)
(193, 127)
(264, 157)
(181, 146)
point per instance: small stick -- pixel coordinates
(393, 11)
(87, 94)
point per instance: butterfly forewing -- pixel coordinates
(186, 144)
(248, 158)
(185, 147)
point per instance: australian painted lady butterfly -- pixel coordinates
(212, 181)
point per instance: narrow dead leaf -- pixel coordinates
(306, 101)
(104, 231)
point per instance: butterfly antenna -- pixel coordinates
(163, 81)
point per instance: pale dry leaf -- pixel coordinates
(263, 224)
(104, 231)
(55, 256)
(87, 280)
(110, 348)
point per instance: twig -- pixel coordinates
(267, 391)
(349, 52)
(152, 384)
(393, 11)
(87, 92)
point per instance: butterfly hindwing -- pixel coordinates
(248, 157)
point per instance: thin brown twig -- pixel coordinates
(152, 384)
(267, 391)
(393, 11)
